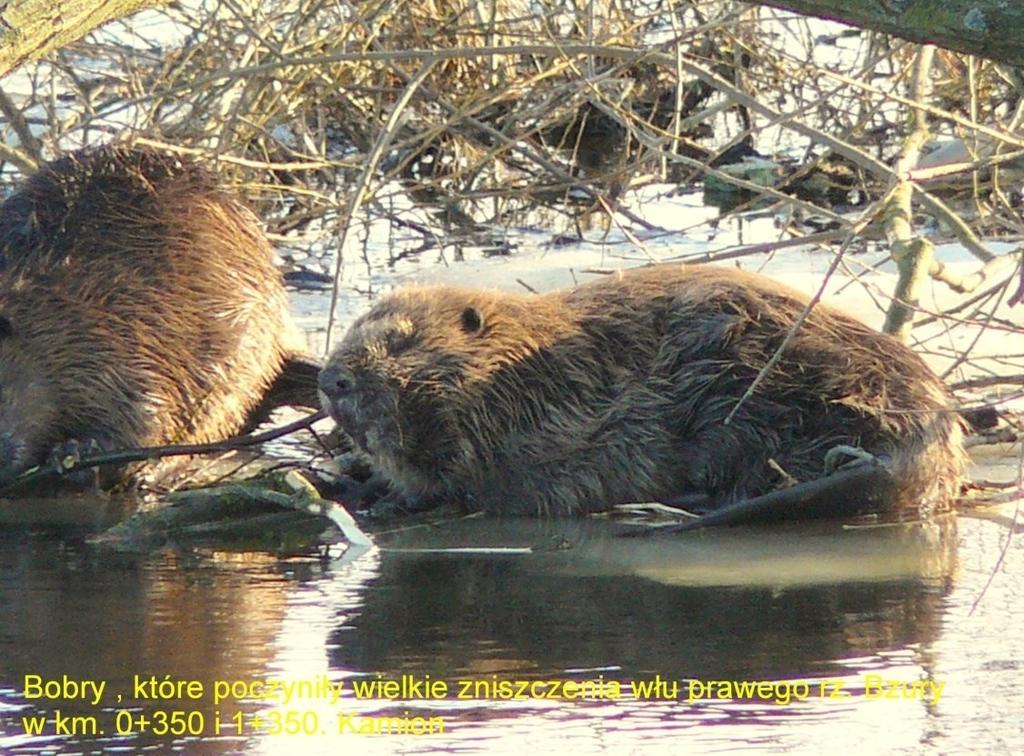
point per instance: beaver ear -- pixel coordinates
(472, 320)
(5, 327)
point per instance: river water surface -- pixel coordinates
(830, 615)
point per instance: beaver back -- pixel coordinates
(140, 305)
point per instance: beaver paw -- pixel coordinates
(360, 494)
(393, 505)
(858, 457)
(66, 456)
(690, 502)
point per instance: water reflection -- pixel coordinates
(752, 602)
(85, 512)
(68, 610)
(809, 603)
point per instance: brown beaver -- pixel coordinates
(619, 390)
(139, 305)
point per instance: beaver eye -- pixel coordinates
(5, 327)
(472, 320)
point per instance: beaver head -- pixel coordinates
(429, 379)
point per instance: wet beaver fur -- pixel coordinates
(139, 306)
(618, 391)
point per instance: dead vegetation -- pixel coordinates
(503, 103)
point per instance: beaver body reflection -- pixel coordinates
(619, 390)
(139, 306)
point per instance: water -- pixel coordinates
(828, 606)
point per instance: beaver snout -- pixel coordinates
(335, 382)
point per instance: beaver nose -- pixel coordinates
(336, 381)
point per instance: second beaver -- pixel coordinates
(620, 390)
(139, 306)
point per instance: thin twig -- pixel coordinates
(174, 450)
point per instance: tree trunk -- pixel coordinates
(991, 29)
(32, 28)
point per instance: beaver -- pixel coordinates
(622, 389)
(139, 306)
